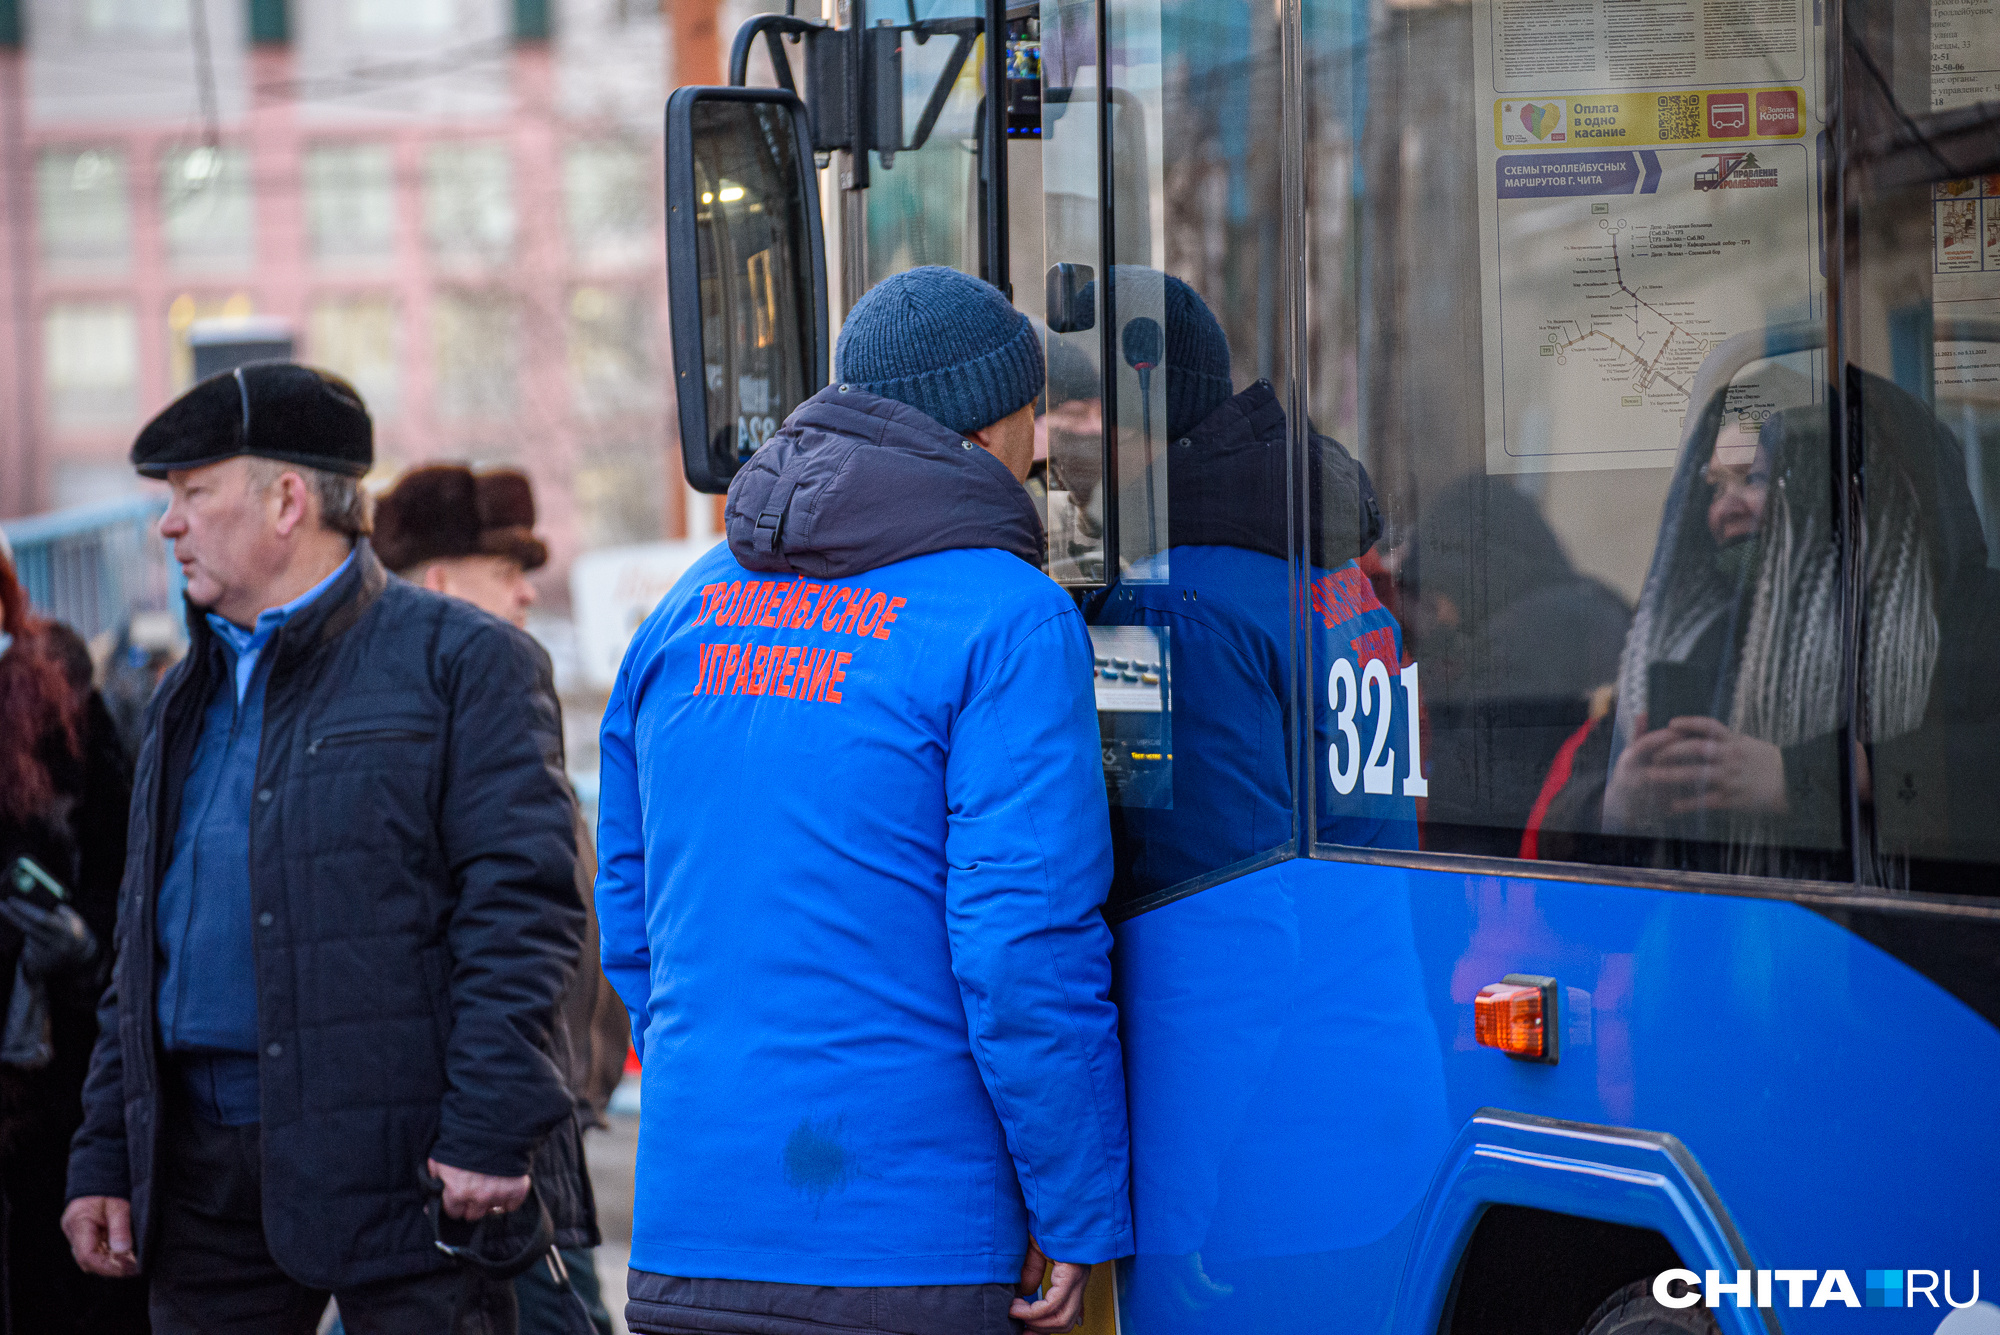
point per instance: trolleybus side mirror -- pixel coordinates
(746, 272)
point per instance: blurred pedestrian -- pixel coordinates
(854, 849)
(349, 907)
(472, 536)
(63, 799)
(147, 645)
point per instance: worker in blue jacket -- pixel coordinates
(854, 844)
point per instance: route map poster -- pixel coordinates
(1965, 215)
(1965, 286)
(1965, 52)
(1646, 179)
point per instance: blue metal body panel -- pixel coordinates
(1306, 1091)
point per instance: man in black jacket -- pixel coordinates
(349, 908)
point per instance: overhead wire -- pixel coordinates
(204, 72)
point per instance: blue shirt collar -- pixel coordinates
(247, 644)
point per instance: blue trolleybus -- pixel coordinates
(1532, 471)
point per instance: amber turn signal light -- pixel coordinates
(1518, 1016)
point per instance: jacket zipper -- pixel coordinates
(369, 735)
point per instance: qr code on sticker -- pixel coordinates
(1680, 116)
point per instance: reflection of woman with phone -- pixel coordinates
(1727, 751)
(1681, 758)
(63, 799)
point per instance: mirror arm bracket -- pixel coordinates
(770, 25)
(966, 31)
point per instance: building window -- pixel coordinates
(84, 209)
(90, 363)
(469, 201)
(608, 199)
(613, 365)
(357, 337)
(475, 353)
(135, 18)
(205, 203)
(398, 18)
(351, 202)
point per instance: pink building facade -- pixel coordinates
(454, 203)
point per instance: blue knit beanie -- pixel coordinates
(1196, 356)
(1197, 360)
(943, 342)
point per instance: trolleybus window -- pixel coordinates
(1189, 321)
(1922, 259)
(1681, 586)
(1473, 433)
(922, 205)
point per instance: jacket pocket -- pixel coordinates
(358, 736)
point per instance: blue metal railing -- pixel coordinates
(93, 566)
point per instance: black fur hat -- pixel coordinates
(447, 510)
(274, 410)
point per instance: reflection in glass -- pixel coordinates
(1514, 641)
(1135, 309)
(1252, 1076)
(1927, 293)
(1132, 675)
(1255, 1042)
(1073, 424)
(1723, 751)
(1552, 595)
(1220, 595)
(923, 202)
(756, 279)
(1738, 729)
(1930, 808)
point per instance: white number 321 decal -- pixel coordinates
(1372, 696)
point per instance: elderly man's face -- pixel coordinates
(227, 524)
(495, 584)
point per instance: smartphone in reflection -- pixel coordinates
(1677, 690)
